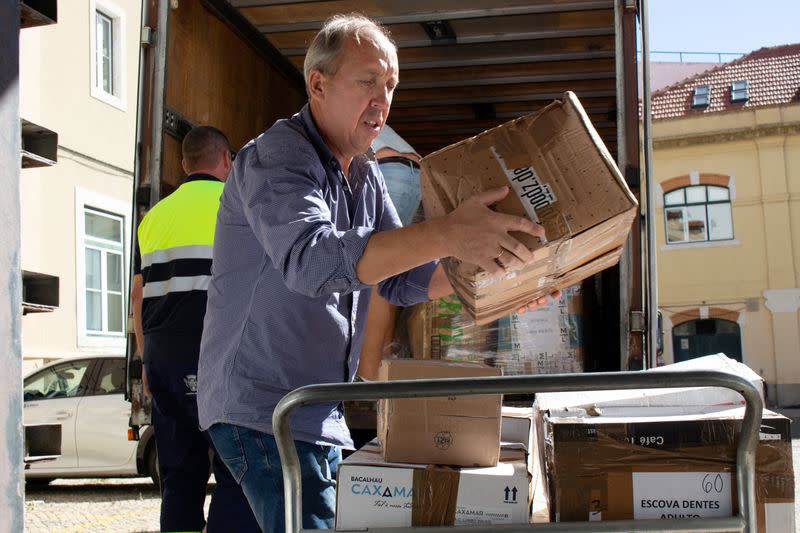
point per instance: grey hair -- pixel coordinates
(325, 49)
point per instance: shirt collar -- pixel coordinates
(325, 154)
(201, 177)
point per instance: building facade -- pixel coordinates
(726, 160)
(79, 78)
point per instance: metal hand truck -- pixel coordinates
(745, 521)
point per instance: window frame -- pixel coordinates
(741, 93)
(685, 207)
(89, 200)
(701, 99)
(117, 96)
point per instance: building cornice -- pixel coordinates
(732, 135)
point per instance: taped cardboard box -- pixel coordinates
(446, 430)
(373, 493)
(622, 463)
(561, 176)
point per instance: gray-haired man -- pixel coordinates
(305, 229)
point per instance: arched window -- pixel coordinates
(698, 213)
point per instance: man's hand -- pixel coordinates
(478, 235)
(145, 386)
(538, 302)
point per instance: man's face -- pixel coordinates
(355, 102)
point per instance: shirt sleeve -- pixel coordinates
(410, 287)
(280, 184)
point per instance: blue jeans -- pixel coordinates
(402, 182)
(252, 457)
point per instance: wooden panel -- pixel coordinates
(564, 69)
(502, 52)
(319, 11)
(214, 77)
(497, 28)
(172, 174)
(482, 92)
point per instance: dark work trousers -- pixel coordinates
(183, 450)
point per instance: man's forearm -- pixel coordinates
(390, 253)
(136, 308)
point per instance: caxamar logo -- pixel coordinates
(382, 491)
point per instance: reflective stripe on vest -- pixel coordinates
(177, 284)
(176, 239)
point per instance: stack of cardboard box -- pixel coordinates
(660, 453)
(438, 461)
(561, 176)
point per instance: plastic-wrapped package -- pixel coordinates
(546, 340)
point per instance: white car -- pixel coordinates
(86, 396)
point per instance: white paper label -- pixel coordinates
(681, 494)
(481, 516)
(532, 191)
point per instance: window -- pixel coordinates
(102, 238)
(110, 379)
(103, 245)
(60, 381)
(698, 213)
(107, 45)
(702, 96)
(739, 91)
(104, 50)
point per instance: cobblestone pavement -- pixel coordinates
(93, 505)
(132, 505)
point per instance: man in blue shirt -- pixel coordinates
(305, 229)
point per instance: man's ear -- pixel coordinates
(185, 168)
(316, 84)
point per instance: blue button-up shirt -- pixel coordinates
(285, 307)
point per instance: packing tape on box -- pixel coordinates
(435, 492)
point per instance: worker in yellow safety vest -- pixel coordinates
(172, 269)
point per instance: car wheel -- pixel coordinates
(152, 466)
(38, 481)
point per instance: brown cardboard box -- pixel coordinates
(446, 430)
(621, 463)
(561, 176)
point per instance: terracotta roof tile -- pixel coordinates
(772, 74)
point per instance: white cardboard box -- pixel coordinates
(373, 493)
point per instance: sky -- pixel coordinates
(721, 26)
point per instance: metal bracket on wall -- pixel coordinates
(176, 124)
(637, 322)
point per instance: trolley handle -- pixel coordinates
(745, 454)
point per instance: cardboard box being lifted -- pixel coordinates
(445, 430)
(561, 176)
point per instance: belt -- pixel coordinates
(399, 159)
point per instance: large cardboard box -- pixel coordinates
(561, 176)
(445, 430)
(373, 493)
(662, 462)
